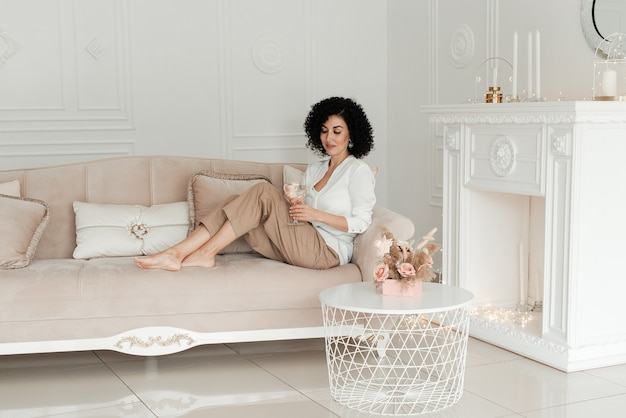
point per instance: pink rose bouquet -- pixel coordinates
(399, 260)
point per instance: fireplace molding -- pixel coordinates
(541, 183)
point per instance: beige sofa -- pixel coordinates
(59, 303)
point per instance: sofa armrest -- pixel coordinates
(383, 220)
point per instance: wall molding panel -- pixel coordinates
(462, 56)
(100, 56)
(270, 147)
(264, 65)
(69, 71)
(8, 47)
(493, 28)
(217, 78)
(462, 46)
(435, 179)
(44, 152)
(268, 53)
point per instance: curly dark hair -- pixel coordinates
(361, 132)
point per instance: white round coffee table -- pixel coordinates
(396, 355)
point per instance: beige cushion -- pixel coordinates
(11, 188)
(128, 230)
(22, 223)
(208, 190)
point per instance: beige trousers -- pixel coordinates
(261, 216)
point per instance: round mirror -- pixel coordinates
(602, 18)
(608, 16)
(589, 25)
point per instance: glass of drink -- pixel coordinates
(294, 187)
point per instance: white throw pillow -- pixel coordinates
(128, 230)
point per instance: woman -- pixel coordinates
(338, 205)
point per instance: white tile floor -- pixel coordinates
(281, 379)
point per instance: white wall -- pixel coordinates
(566, 59)
(436, 48)
(415, 187)
(83, 79)
(217, 78)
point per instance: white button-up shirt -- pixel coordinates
(349, 193)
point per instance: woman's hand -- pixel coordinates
(293, 200)
(303, 213)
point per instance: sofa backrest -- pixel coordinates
(131, 180)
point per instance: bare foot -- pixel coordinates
(163, 260)
(199, 259)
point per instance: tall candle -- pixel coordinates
(530, 64)
(523, 277)
(495, 77)
(538, 65)
(609, 83)
(514, 87)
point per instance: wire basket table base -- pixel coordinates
(396, 364)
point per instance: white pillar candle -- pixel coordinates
(514, 87)
(495, 77)
(538, 65)
(530, 64)
(609, 83)
(523, 277)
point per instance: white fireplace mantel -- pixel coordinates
(533, 214)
